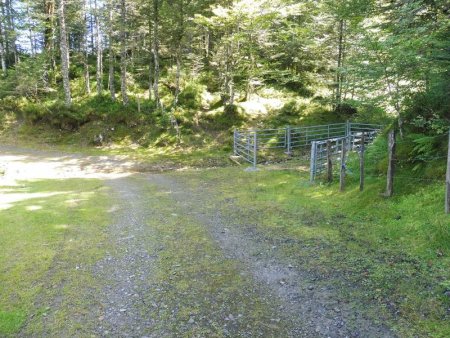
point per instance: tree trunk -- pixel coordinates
(178, 77)
(87, 82)
(340, 63)
(11, 33)
(2, 48)
(111, 57)
(49, 28)
(98, 43)
(30, 33)
(150, 62)
(123, 54)
(64, 53)
(155, 50)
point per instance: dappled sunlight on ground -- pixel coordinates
(8, 200)
(31, 164)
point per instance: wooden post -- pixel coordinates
(361, 161)
(447, 183)
(234, 141)
(342, 174)
(255, 147)
(391, 164)
(329, 163)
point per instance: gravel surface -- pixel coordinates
(314, 309)
(129, 304)
(126, 271)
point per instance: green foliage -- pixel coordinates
(191, 96)
(230, 118)
(26, 79)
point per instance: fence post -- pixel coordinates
(255, 147)
(447, 193)
(391, 164)
(234, 141)
(329, 163)
(312, 165)
(361, 161)
(288, 140)
(342, 173)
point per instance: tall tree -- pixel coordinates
(111, 56)
(49, 39)
(99, 49)
(155, 51)
(2, 42)
(85, 51)
(123, 53)
(64, 47)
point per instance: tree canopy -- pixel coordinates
(359, 55)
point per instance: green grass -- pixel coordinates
(47, 229)
(394, 253)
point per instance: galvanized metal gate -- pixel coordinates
(351, 142)
(247, 143)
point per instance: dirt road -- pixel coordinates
(177, 266)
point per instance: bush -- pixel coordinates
(231, 117)
(191, 96)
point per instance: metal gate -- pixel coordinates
(247, 143)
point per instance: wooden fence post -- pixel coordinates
(234, 141)
(342, 173)
(255, 148)
(447, 179)
(391, 164)
(361, 161)
(329, 163)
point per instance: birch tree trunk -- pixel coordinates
(155, 50)
(30, 32)
(2, 46)
(123, 54)
(64, 53)
(87, 82)
(111, 57)
(98, 43)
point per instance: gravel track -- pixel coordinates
(126, 273)
(314, 311)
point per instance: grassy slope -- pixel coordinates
(198, 149)
(393, 252)
(45, 239)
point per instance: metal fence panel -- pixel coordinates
(247, 143)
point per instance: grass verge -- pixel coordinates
(50, 232)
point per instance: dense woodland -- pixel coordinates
(70, 62)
